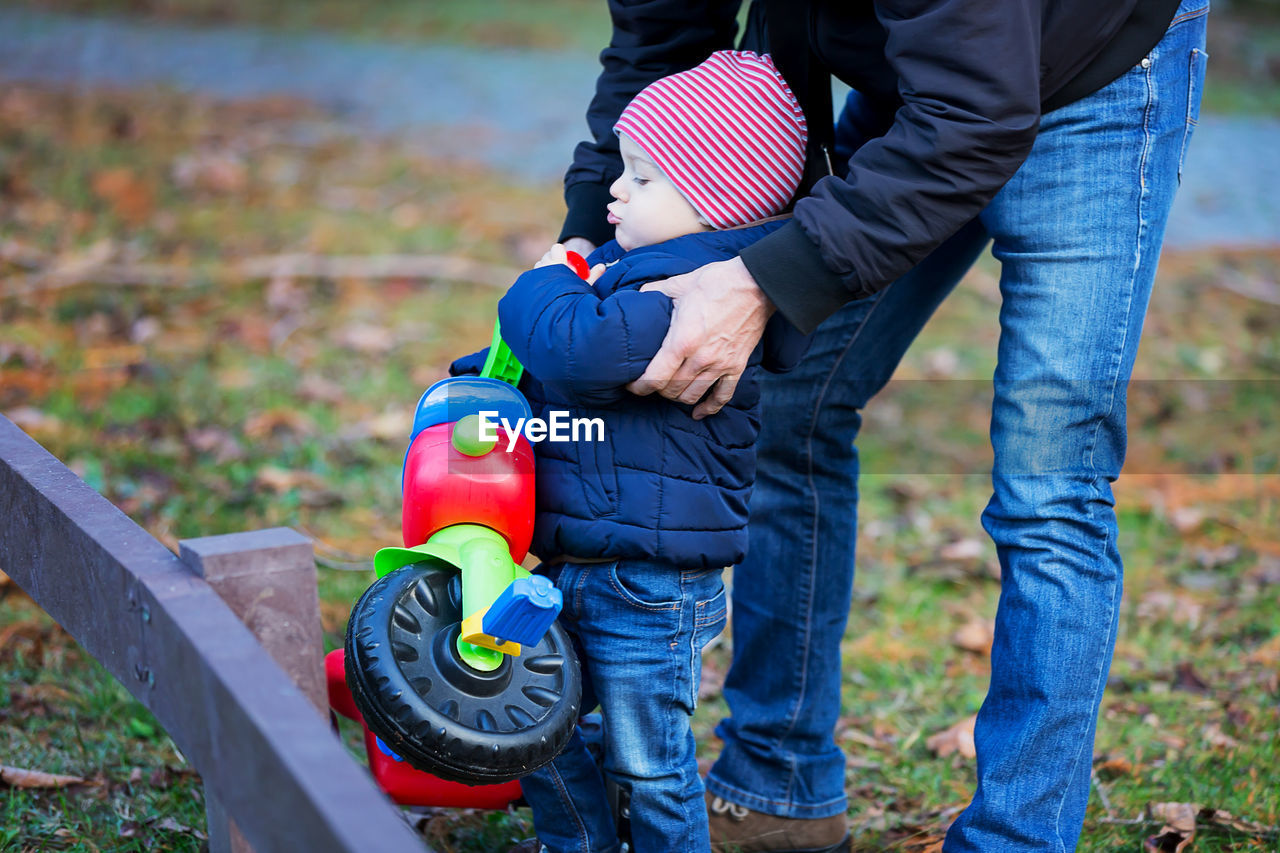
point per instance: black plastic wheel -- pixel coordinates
(437, 712)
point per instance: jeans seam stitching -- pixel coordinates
(583, 836)
(1195, 13)
(579, 591)
(1191, 123)
(668, 757)
(1099, 684)
(695, 658)
(1117, 360)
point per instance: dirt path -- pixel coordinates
(518, 111)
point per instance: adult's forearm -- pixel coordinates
(968, 73)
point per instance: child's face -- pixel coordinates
(647, 208)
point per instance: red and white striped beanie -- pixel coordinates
(729, 134)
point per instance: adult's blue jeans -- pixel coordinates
(1077, 231)
(639, 628)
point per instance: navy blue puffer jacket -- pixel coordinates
(660, 485)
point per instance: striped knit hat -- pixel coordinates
(729, 134)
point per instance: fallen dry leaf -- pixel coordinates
(1187, 519)
(1219, 817)
(1215, 737)
(934, 846)
(365, 338)
(218, 172)
(1179, 827)
(266, 424)
(18, 777)
(1161, 604)
(1113, 767)
(32, 631)
(216, 441)
(168, 824)
(393, 425)
(131, 198)
(1186, 678)
(317, 389)
(281, 480)
(964, 549)
(957, 738)
(859, 737)
(32, 421)
(113, 355)
(43, 693)
(975, 636)
(1267, 654)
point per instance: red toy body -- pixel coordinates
(443, 487)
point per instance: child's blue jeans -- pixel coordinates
(639, 628)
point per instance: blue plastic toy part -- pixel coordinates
(452, 399)
(524, 611)
(386, 750)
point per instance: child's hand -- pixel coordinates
(557, 254)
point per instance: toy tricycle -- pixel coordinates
(453, 656)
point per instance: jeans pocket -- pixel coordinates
(709, 616)
(646, 587)
(710, 612)
(1195, 89)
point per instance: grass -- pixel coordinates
(60, 712)
(217, 404)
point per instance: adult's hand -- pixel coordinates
(719, 316)
(581, 245)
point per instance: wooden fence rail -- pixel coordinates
(264, 753)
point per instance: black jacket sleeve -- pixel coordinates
(651, 39)
(969, 77)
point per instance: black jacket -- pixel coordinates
(961, 85)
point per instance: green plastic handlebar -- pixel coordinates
(501, 364)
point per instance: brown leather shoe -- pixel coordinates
(738, 829)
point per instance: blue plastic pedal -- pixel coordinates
(386, 750)
(524, 611)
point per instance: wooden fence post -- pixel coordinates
(268, 580)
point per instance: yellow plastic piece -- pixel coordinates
(472, 631)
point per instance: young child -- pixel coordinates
(635, 529)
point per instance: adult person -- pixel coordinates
(1054, 130)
